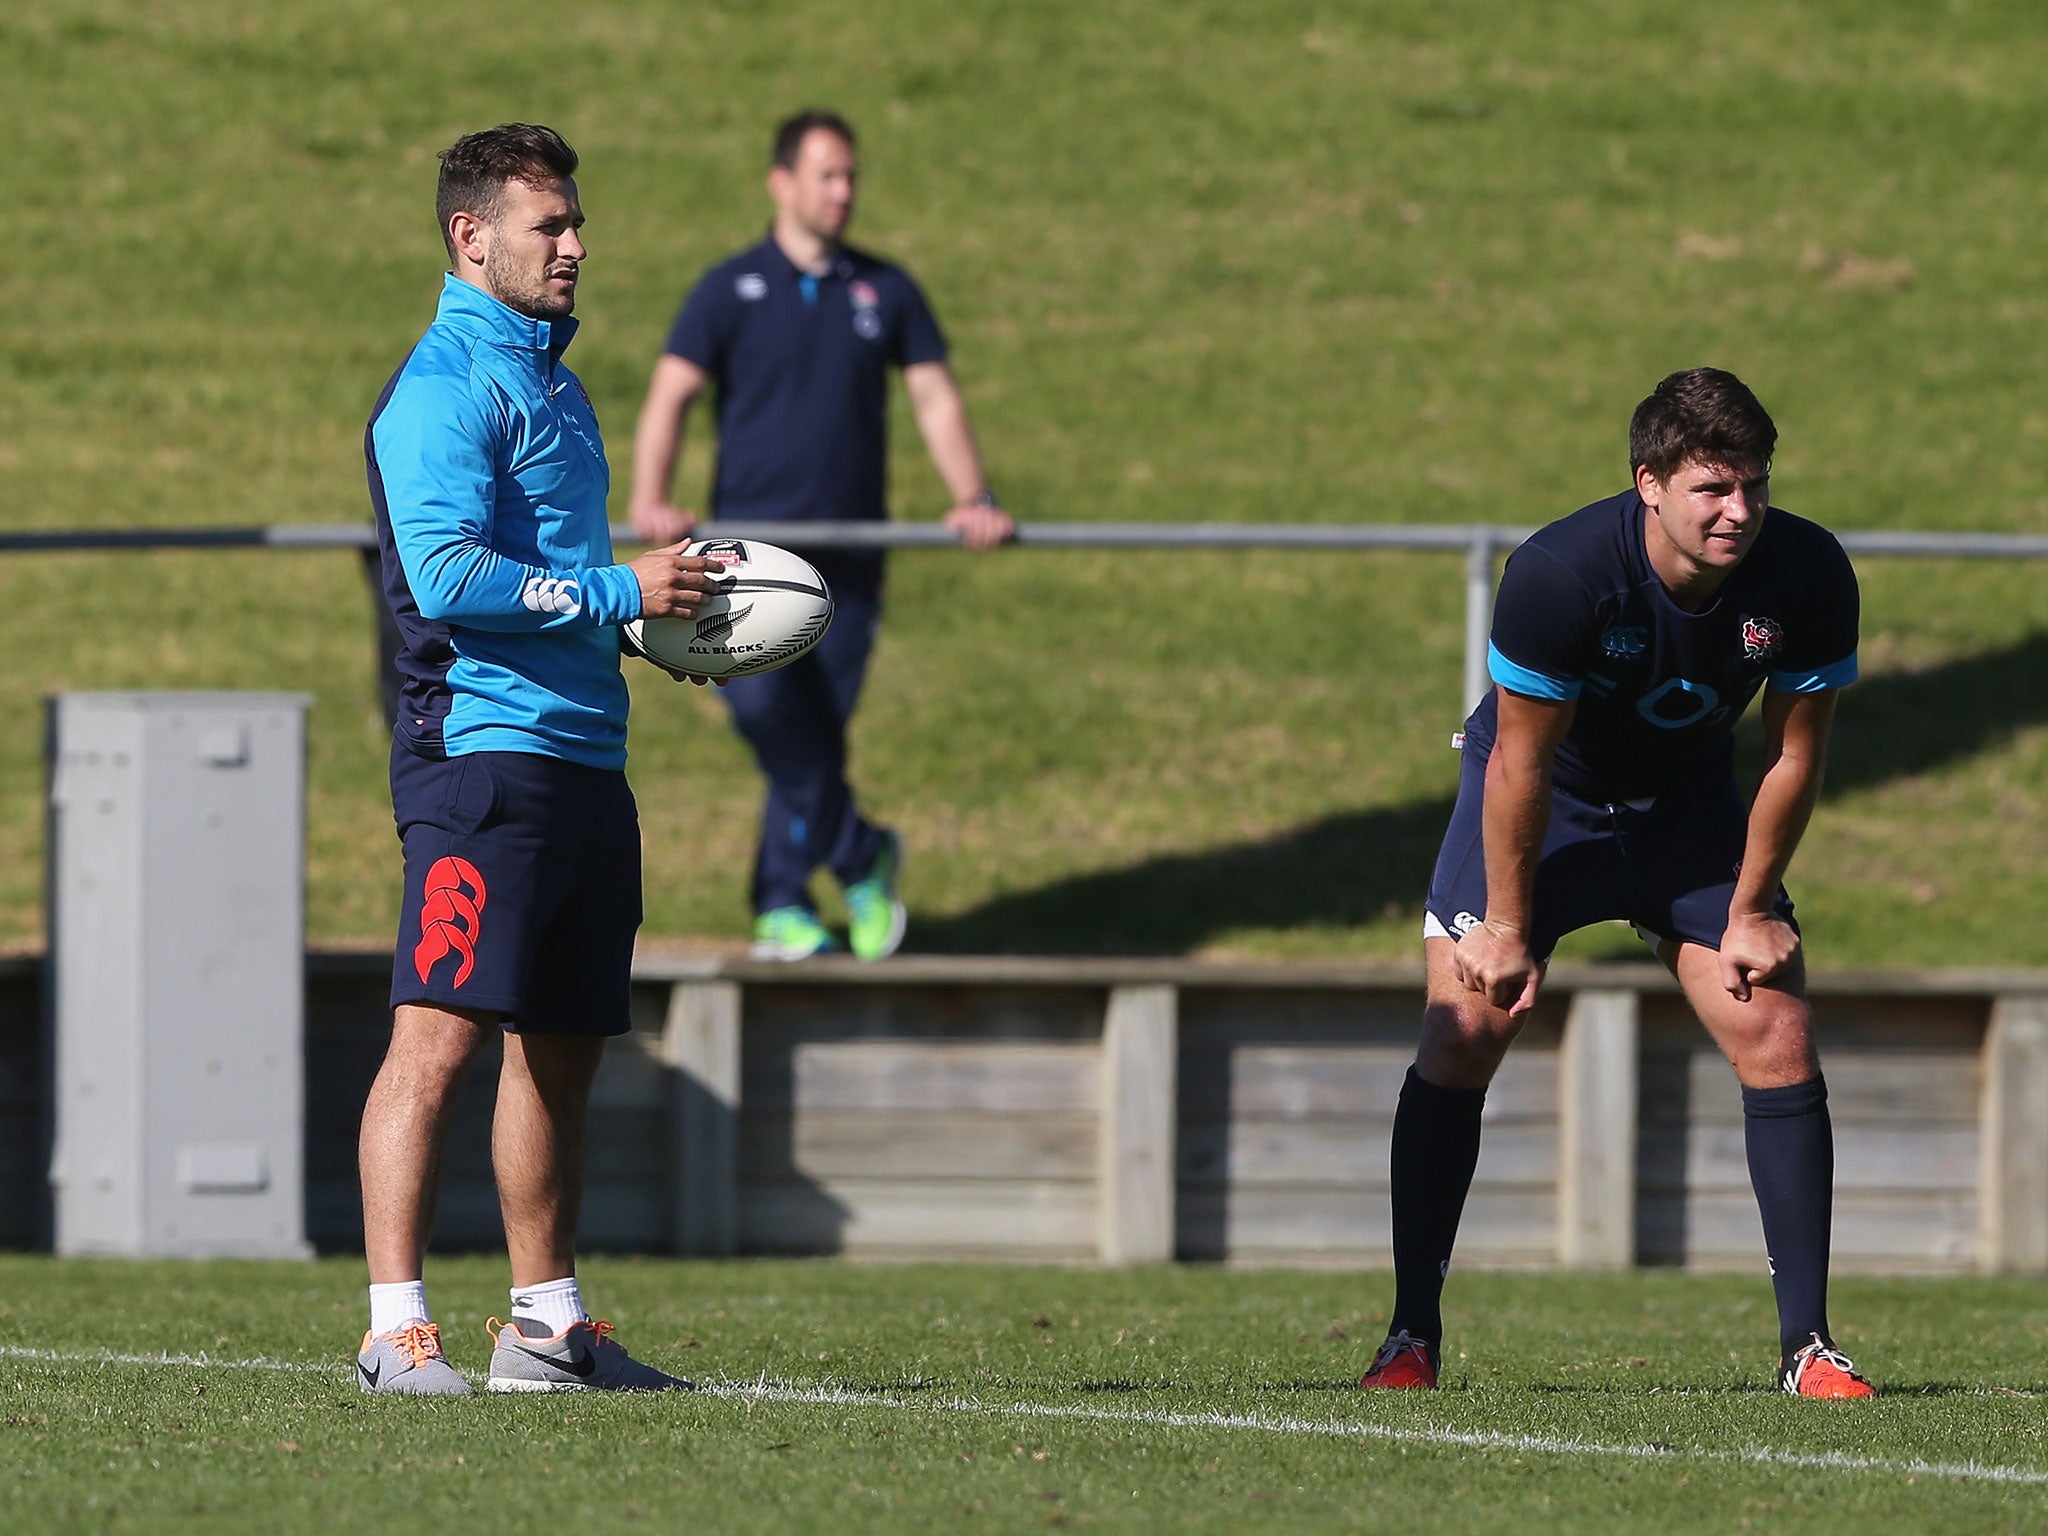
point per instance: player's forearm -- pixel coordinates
(949, 438)
(1513, 819)
(1785, 798)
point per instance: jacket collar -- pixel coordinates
(473, 310)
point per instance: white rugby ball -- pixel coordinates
(772, 606)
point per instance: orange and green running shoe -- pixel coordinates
(875, 915)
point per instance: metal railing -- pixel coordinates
(1483, 545)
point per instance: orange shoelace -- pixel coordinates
(598, 1330)
(422, 1341)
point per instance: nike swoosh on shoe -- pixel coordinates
(575, 1365)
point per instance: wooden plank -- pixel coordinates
(1015, 1077)
(1596, 1132)
(631, 1076)
(1348, 1152)
(1918, 1231)
(1140, 1066)
(782, 1015)
(623, 1219)
(835, 1144)
(1710, 1156)
(1514, 1227)
(1223, 1020)
(2014, 1178)
(1210, 1017)
(1303, 1081)
(1888, 1088)
(701, 1046)
(628, 1146)
(1854, 1023)
(1359, 978)
(961, 1218)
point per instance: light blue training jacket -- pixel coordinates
(489, 480)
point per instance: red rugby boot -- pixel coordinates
(1820, 1370)
(1402, 1362)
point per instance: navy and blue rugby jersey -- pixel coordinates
(489, 481)
(1582, 615)
(801, 366)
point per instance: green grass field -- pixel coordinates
(1390, 262)
(995, 1398)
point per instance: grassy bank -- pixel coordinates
(1395, 262)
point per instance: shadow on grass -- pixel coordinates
(1346, 870)
(1901, 724)
(1359, 867)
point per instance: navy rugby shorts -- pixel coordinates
(522, 889)
(1665, 865)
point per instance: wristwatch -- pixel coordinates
(987, 499)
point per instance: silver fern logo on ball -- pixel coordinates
(718, 627)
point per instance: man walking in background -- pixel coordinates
(797, 335)
(1598, 783)
(522, 841)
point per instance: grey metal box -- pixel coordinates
(177, 986)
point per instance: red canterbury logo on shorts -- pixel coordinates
(451, 917)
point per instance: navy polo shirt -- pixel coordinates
(801, 366)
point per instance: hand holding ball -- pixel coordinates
(769, 608)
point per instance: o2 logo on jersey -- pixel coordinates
(1675, 703)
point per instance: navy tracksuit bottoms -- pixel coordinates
(795, 719)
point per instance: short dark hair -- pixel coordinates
(791, 132)
(1704, 414)
(475, 168)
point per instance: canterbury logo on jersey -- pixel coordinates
(551, 594)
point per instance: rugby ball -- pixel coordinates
(771, 607)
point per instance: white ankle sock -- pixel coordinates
(555, 1304)
(395, 1305)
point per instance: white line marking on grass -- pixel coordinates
(767, 1391)
(109, 1357)
(1544, 1445)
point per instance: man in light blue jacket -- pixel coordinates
(522, 841)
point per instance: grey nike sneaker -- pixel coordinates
(581, 1358)
(408, 1359)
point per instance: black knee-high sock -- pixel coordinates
(1436, 1147)
(1791, 1144)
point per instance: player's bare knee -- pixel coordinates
(1772, 1043)
(1463, 1042)
(429, 1045)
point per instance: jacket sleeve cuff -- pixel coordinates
(614, 592)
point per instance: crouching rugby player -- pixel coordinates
(1598, 783)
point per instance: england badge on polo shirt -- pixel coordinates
(867, 319)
